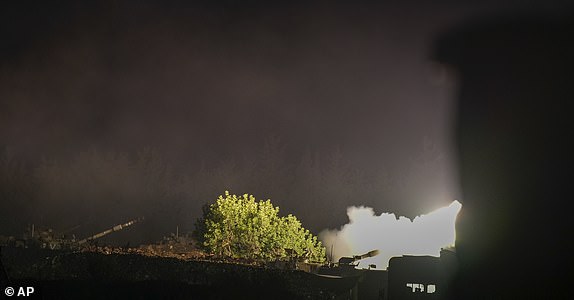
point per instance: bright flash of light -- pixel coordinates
(392, 236)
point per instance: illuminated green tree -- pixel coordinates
(241, 227)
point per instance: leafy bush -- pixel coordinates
(241, 227)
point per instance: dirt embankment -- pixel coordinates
(96, 275)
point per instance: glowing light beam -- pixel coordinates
(392, 236)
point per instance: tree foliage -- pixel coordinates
(241, 227)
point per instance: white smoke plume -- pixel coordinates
(392, 236)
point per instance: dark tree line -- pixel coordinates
(94, 190)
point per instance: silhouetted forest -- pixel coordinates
(93, 190)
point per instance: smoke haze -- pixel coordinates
(392, 236)
(111, 110)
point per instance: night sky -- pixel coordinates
(200, 97)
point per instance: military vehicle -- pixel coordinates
(351, 283)
(346, 266)
(407, 277)
(53, 240)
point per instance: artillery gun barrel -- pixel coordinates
(345, 260)
(113, 229)
(368, 254)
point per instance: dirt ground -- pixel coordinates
(151, 273)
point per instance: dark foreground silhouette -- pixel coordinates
(84, 275)
(514, 233)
